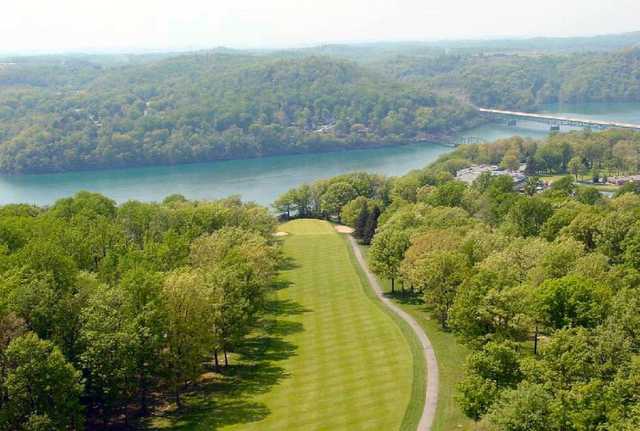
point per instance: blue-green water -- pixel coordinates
(261, 180)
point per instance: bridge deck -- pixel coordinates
(560, 119)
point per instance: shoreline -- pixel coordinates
(223, 160)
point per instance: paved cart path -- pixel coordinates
(431, 400)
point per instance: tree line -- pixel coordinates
(106, 310)
(522, 80)
(540, 287)
(355, 199)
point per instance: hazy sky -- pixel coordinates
(72, 25)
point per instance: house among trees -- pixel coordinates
(470, 174)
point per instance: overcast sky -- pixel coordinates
(77, 25)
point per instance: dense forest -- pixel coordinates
(200, 107)
(106, 311)
(525, 80)
(542, 285)
(60, 113)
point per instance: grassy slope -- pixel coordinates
(328, 358)
(416, 404)
(450, 354)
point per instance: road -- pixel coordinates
(431, 399)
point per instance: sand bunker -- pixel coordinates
(343, 229)
(281, 233)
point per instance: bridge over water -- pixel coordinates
(555, 120)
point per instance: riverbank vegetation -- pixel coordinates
(108, 312)
(202, 107)
(541, 286)
(595, 156)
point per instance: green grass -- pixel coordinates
(604, 187)
(583, 182)
(450, 354)
(327, 358)
(552, 178)
(416, 404)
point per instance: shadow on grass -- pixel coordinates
(280, 284)
(287, 263)
(406, 297)
(206, 412)
(227, 398)
(278, 308)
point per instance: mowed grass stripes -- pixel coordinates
(352, 369)
(329, 358)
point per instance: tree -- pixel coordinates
(302, 198)
(143, 305)
(532, 166)
(11, 327)
(511, 160)
(351, 210)
(527, 216)
(41, 386)
(439, 274)
(237, 269)
(584, 228)
(335, 197)
(526, 408)
(245, 255)
(490, 304)
(371, 225)
(110, 351)
(561, 218)
(588, 195)
(49, 257)
(576, 167)
(361, 222)
(232, 311)
(387, 251)
(531, 185)
(487, 372)
(175, 198)
(564, 186)
(626, 155)
(550, 157)
(497, 198)
(611, 232)
(571, 301)
(449, 194)
(47, 309)
(628, 187)
(406, 187)
(189, 322)
(284, 203)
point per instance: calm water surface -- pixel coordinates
(262, 180)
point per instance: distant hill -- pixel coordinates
(376, 51)
(89, 111)
(74, 114)
(607, 42)
(524, 81)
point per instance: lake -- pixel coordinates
(262, 180)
